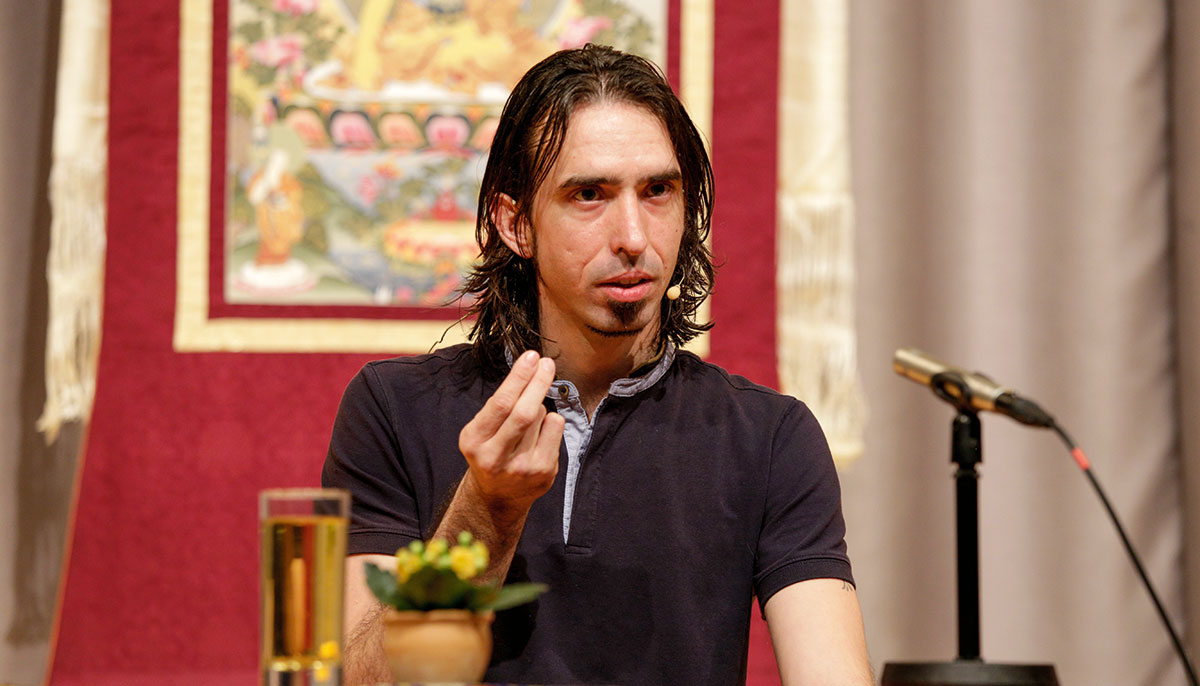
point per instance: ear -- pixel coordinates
(513, 232)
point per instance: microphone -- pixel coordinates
(968, 390)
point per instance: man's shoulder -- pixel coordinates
(692, 370)
(451, 357)
(452, 368)
(716, 387)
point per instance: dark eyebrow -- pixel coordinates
(665, 177)
(581, 181)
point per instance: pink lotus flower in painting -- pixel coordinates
(308, 126)
(399, 131)
(278, 51)
(579, 31)
(295, 7)
(352, 130)
(447, 132)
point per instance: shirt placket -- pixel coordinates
(577, 435)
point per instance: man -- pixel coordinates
(653, 492)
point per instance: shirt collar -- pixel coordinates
(642, 378)
(649, 374)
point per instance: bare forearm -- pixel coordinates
(497, 524)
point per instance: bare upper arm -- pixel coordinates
(817, 632)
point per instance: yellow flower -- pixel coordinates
(407, 563)
(480, 551)
(435, 553)
(462, 561)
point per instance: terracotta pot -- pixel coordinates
(439, 645)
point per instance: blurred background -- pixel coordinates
(1015, 186)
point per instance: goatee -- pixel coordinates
(626, 313)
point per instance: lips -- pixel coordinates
(628, 287)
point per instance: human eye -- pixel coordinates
(658, 189)
(586, 194)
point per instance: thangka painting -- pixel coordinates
(357, 132)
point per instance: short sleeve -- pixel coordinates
(803, 532)
(364, 458)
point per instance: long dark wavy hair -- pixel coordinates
(528, 140)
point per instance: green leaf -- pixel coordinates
(414, 589)
(481, 597)
(430, 588)
(308, 23)
(448, 590)
(251, 31)
(261, 73)
(382, 584)
(515, 594)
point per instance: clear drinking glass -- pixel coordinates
(303, 534)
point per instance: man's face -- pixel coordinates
(607, 223)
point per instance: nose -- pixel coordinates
(629, 225)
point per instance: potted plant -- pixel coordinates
(438, 627)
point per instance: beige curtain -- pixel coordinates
(815, 229)
(1013, 186)
(78, 180)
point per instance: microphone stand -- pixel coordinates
(968, 669)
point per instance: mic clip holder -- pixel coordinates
(960, 397)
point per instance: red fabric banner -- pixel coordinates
(161, 585)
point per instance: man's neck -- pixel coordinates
(592, 362)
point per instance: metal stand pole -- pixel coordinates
(966, 453)
(969, 669)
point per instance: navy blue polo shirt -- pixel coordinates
(692, 496)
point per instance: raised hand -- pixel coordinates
(511, 445)
(511, 448)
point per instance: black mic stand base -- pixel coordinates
(967, 673)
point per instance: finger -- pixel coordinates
(540, 455)
(518, 457)
(549, 439)
(497, 408)
(529, 409)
